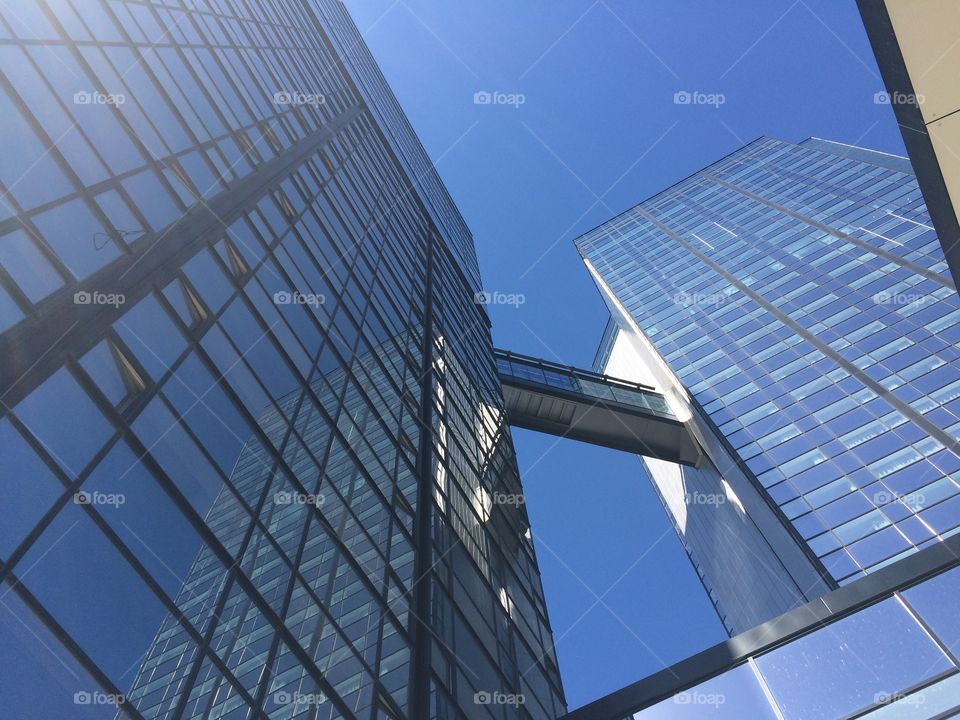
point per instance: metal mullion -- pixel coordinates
(223, 555)
(55, 22)
(420, 656)
(242, 59)
(229, 570)
(335, 432)
(324, 606)
(170, 604)
(84, 660)
(177, 48)
(318, 404)
(57, 156)
(477, 567)
(71, 486)
(295, 574)
(164, 96)
(19, 298)
(463, 622)
(140, 289)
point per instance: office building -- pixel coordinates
(794, 302)
(254, 439)
(915, 44)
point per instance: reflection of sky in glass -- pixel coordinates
(923, 704)
(935, 601)
(851, 663)
(735, 695)
(822, 345)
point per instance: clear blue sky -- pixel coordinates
(599, 120)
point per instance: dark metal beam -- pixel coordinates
(820, 612)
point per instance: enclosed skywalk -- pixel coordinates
(583, 405)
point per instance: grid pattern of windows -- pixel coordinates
(252, 427)
(908, 641)
(802, 297)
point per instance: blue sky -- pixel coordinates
(598, 131)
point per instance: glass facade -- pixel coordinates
(801, 296)
(581, 382)
(892, 659)
(252, 429)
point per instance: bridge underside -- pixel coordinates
(586, 406)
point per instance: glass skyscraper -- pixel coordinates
(794, 299)
(253, 435)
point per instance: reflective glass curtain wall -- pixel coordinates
(800, 294)
(251, 423)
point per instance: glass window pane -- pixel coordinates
(39, 677)
(29, 489)
(921, 705)
(65, 421)
(90, 590)
(10, 314)
(21, 258)
(151, 335)
(879, 650)
(935, 601)
(101, 365)
(77, 237)
(736, 694)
